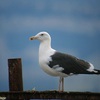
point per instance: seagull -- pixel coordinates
(60, 64)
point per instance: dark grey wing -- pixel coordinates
(69, 64)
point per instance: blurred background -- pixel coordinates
(74, 26)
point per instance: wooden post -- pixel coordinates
(15, 74)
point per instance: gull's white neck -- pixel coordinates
(44, 47)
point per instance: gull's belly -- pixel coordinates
(43, 61)
(49, 70)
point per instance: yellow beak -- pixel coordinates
(33, 38)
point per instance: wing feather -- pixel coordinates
(70, 63)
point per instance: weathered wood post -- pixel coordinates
(15, 74)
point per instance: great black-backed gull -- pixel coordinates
(59, 64)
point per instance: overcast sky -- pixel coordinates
(74, 26)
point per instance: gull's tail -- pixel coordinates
(96, 71)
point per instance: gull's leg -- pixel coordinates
(62, 83)
(60, 79)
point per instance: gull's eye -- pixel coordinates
(42, 34)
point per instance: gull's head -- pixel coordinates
(41, 36)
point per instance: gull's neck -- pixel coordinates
(45, 47)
